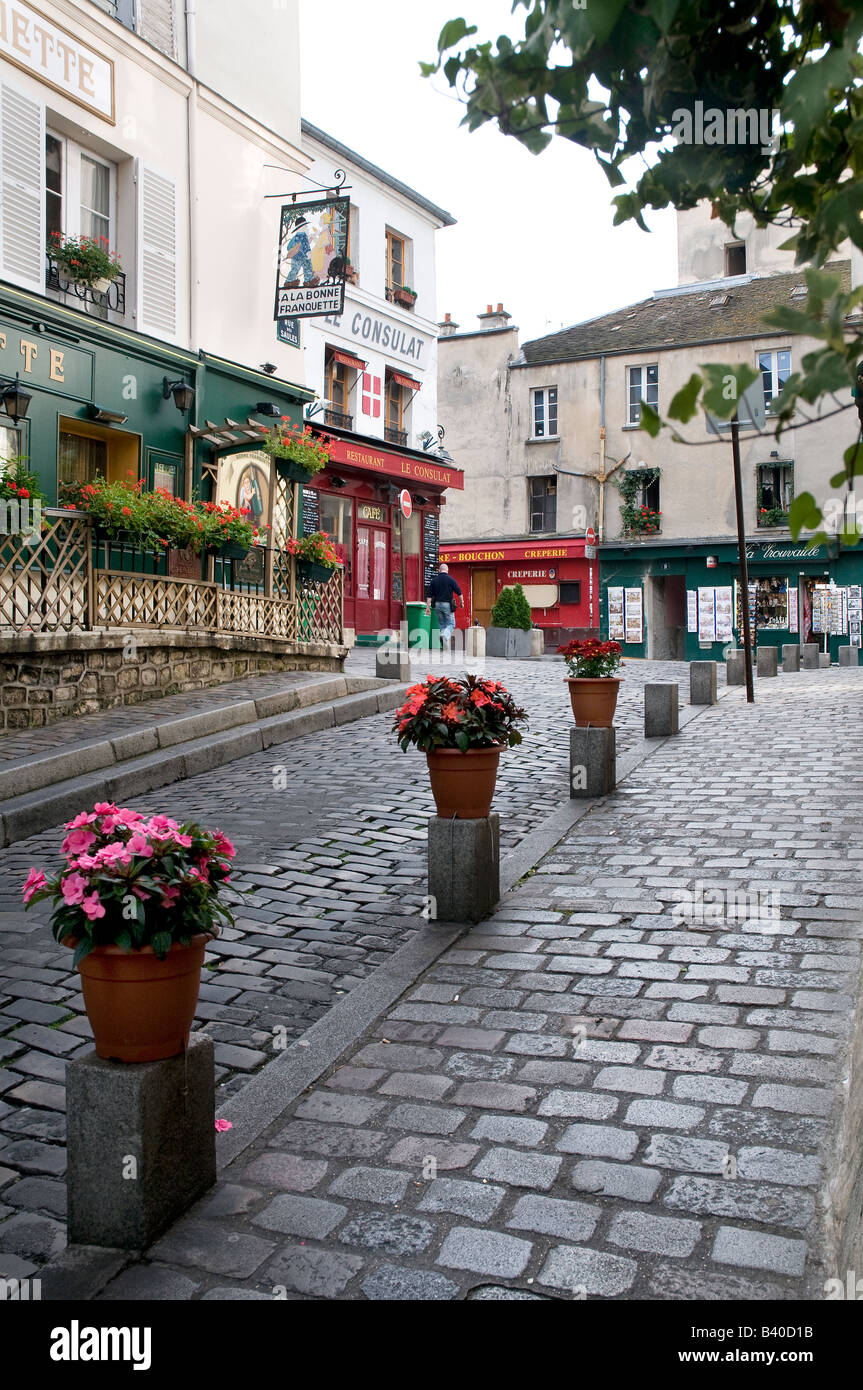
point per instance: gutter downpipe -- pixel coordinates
(601, 448)
(192, 129)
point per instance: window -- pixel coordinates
(775, 489)
(395, 426)
(81, 460)
(544, 413)
(337, 514)
(735, 258)
(396, 261)
(642, 385)
(775, 368)
(571, 592)
(79, 191)
(339, 384)
(542, 495)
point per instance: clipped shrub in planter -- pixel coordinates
(511, 622)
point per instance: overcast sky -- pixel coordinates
(534, 231)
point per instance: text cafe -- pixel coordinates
(560, 583)
(387, 556)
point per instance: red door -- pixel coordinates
(372, 579)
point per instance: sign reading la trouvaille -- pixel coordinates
(313, 249)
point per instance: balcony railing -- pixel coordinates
(396, 436)
(114, 297)
(338, 419)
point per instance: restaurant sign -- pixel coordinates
(480, 555)
(62, 369)
(313, 239)
(394, 465)
(774, 551)
(57, 58)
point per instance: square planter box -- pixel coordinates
(511, 642)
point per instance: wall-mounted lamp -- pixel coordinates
(338, 482)
(269, 408)
(269, 368)
(420, 501)
(16, 401)
(106, 417)
(183, 393)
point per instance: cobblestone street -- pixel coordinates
(617, 1098)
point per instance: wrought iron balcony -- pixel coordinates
(396, 436)
(338, 419)
(114, 297)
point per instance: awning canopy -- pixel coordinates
(401, 380)
(346, 359)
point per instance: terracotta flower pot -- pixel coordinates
(463, 783)
(141, 1008)
(594, 700)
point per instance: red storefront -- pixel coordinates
(560, 582)
(356, 500)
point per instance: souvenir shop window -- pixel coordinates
(771, 604)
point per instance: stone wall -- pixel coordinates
(44, 679)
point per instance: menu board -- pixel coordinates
(431, 545)
(691, 610)
(311, 511)
(616, 629)
(633, 612)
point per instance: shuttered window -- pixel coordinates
(157, 275)
(22, 178)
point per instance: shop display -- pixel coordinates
(771, 605)
(829, 609)
(714, 622)
(691, 610)
(616, 626)
(738, 615)
(633, 615)
(793, 615)
(855, 614)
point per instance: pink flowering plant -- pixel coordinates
(465, 713)
(133, 881)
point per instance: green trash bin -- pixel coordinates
(419, 626)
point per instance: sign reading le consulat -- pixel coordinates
(42, 48)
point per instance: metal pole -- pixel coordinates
(744, 567)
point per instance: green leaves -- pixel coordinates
(684, 403)
(453, 32)
(649, 421)
(161, 943)
(804, 514)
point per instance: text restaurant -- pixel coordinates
(381, 506)
(560, 582)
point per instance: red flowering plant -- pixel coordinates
(18, 484)
(86, 260)
(465, 713)
(591, 659)
(130, 881)
(317, 549)
(299, 444)
(224, 524)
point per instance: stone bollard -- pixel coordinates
(592, 765)
(791, 657)
(474, 642)
(537, 643)
(848, 656)
(464, 868)
(392, 664)
(809, 656)
(735, 668)
(702, 682)
(824, 662)
(141, 1144)
(768, 661)
(661, 710)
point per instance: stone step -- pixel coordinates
(174, 749)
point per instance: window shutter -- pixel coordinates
(157, 254)
(22, 178)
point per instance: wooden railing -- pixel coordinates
(56, 584)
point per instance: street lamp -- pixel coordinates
(16, 401)
(183, 393)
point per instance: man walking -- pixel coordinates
(442, 591)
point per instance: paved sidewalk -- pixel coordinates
(592, 1094)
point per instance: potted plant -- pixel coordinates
(18, 484)
(228, 531)
(462, 726)
(315, 556)
(593, 685)
(404, 295)
(137, 900)
(511, 621)
(299, 454)
(85, 260)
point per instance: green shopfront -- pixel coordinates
(681, 600)
(98, 404)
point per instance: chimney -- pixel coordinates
(494, 318)
(448, 327)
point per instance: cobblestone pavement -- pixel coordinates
(330, 833)
(604, 1090)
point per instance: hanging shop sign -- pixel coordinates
(313, 242)
(57, 58)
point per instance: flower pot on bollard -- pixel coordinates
(463, 783)
(140, 1008)
(593, 684)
